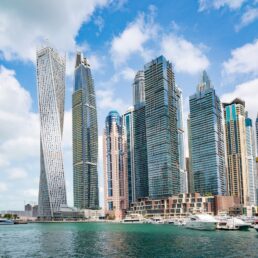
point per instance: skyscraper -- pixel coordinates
(235, 128)
(190, 177)
(85, 137)
(251, 159)
(207, 148)
(139, 134)
(114, 164)
(181, 144)
(51, 95)
(161, 129)
(256, 129)
(139, 89)
(128, 130)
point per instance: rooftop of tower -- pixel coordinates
(113, 113)
(205, 82)
(235, 101)
(81, 60)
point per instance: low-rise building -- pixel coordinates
(183, 205)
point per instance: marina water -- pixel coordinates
(122, 240)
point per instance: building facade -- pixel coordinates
(190, 177)
(114, 165)
(85, 137)
(181, 143)
(139, 133)
(236, 143)
(139, 89)
(256, 130)
(251, 160)
(161, 129)
(51, 96)
(128, 131)
(207, 147)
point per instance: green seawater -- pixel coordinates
(122, 240)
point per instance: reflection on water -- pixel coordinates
(120, 240)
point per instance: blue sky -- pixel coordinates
(118, 37)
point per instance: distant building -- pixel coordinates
(85, 137)
(35, 211)
(251, 159)
(207, 147)
(28, 210)
(161, 129)
(51, 97)
(236, 143)
(68, 213)
(114, 164)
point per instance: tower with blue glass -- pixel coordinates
(207, 145)
(161, 129)
(85, 137)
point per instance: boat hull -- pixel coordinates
(200, 225)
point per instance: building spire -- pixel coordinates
(205, 82)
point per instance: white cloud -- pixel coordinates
(32, 21)
(17, 173)
(128, 73)
(217, 4)
(106, 100)
(183, 54)
(243, 60)
(99, 22)
(132, 40)
(247, 18)
(20, 139)
(31, 193)
(3, 187)
(247, 92)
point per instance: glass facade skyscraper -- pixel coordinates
(206, 138)
(139, 90)
(51, 96)
(256, 130)
(251, 159)
(161, 129)
(181, 144)
(139, 132)
(128, 130)
(114, 164)
(85, 137)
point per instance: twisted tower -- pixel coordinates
(51, 95)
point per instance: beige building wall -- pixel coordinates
(235, 132)
(118, 173)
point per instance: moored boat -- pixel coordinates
(133, 218)
(233, 224)
(6, 222)
(201, 222)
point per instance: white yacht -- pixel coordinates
(133, 218)
(201, 222)
(6, 222)
(233, 224)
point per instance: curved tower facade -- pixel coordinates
(51, 95)
(85, 137)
